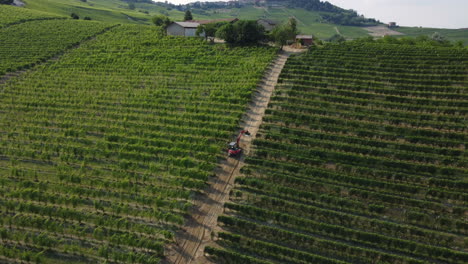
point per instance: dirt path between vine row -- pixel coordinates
(197, 232)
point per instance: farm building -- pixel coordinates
(268, 24)
(186, 29)
(392, 24)
(305, 40)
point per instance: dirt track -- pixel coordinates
(196, 234)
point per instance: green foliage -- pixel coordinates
(285, 32)
(6, 2)
(360, 155)
(10, 15)
(337, 38)
(45, 39)
(436, 40)
(209, 29)
(108, 143)
(228, 33)
(188, 15)
(241, 32)
(75, 16)
(161, 21)
(109, 11)
(349, 18)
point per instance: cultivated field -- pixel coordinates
(29, 43)
(361, 159)
(102, 148)
(10, 15)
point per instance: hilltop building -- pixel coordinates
(392, 24)
(186, 29)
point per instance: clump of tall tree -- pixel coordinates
(209, 29)
(241, 32)
(285, 32)
(188, 15)
(161, 21)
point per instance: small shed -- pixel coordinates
(268, 24)
(392, 24)
(186, 29)
(305, 40)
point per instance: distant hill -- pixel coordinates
(321, 19)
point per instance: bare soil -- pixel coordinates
(380, 31)
(198, 230)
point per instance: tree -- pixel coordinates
(292, 24)
(280, 35)
(200, 30)
(459, 44)
(337, 38)
(161, 21)
(228, 33)
(241, 32)
(188, 15)
(75, 16)
(287, 31)
(209, 29)
(437, 37)
(131, 6)
(6, 2)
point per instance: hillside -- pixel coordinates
(106, 135)
(111, 11)
(321, 20)
(113, 143)
(358, 159)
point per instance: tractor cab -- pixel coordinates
(234, 149)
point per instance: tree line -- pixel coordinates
(241, 32)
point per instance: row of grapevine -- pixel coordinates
(361, 159)
(11, 15)
(102, 150)
(30, 43)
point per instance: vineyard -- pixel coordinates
(30, 43)
(10, 15)
(361, 159)
(102, 148)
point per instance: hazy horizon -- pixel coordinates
(412, 13)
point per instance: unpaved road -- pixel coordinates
(196, 234)
(337, 31)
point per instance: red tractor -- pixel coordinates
(234, 149)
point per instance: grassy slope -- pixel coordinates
(310, 22)
(10, 15)
(452, 34)
(113, 11)
(116, 11)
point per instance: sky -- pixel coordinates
(425, 13)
